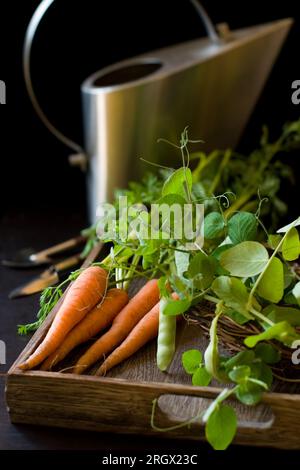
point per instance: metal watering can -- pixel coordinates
(129, 105)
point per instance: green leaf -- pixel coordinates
(290, 299)
(261, 371)
(201, 377)
(201, 269)
(243, 357)
(221, 249)
(296, 292)
(233, 292)
(286, 228)
(279, 314)
(221, 427)
(274, 240)
(266, 374)
(163, 287)
(180, 284)
(239, 373)
(213, 225)
(236, 316)
(182, 262)
(249, 393)
(267, 353)
(176, 307)
(282, 331)
(291, 245)
(217, 255)
(288, 276)
(245, 260)
(177, 183)
(271, 285)
(191, 360)
(242, 227)
(171, 199)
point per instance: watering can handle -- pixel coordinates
(29, 37)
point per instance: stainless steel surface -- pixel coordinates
(210, 87)
(208, 24)
(29, 37)
(28, 257)
(47, 278)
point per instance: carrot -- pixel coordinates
(96, 320)
(82, 295)
(124, 322)
(142, 333)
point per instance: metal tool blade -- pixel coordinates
(23, 259)
(28, 257)
(47, 278)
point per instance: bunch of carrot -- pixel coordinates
(88, 308)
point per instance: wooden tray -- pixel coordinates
(121, 402)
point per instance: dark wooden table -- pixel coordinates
(19, 230)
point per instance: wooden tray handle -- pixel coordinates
(128, 406)
(275, 422)
(186, 409)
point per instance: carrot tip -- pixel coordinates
(100, 372)
(23, 366)
(79, 369)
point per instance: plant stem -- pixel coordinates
(130, 272)
(226, 393)
(118, 276)
(204, 163)
(258, 382)
(259, 315)
(243, 199)
(224, 162)
(172, 428)
(210, 298)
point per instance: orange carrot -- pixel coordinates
(129, 316)
(96, 320)
(142, 333)
(81, 297)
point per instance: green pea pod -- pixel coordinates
(166, 337)
(211, 355)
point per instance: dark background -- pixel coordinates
(43, 199)
(78, 38)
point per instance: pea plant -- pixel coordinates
(242, 270)
(247, 281)
(247, 274)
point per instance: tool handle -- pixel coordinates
(60, 247)
(29, 37)
(67, 263)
